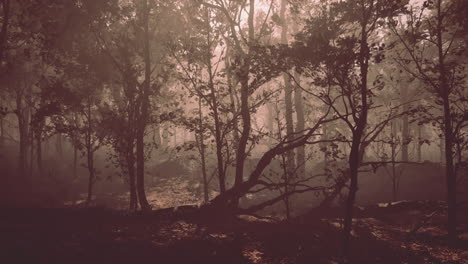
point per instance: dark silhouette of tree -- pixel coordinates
(440, 32)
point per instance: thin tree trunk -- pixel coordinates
(405, 124)
(144, 105)
(419, 143)
(140, 167)
(75, 162)
(89, 154)
(31, 152)
(442, 149)
(448, 132)
(4, 30)
(405, 137)
(58, 145)
(22, 135)
(90, 157)
(393, 158)
(132, 180)
(300, 126)
(300, 118)
(356, 152)
(243, 76)
(270, 121)
(232, 90)
(39, 149)
(287, 93)
(214, 101)
(449, 171)
(290, 166)
(324, 146)
(2, 131)
(202, 153)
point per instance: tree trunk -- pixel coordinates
(356, 153)
(270, 121)
(448, 132)
(324, 146)
(300, 118)
(243, 76)
(214, 101)
(143, 115)
(393, 158)
(39, 149)
(90, 157)
(419, 143)
(449, 171)
(353, 172)
(290, 163)
(89, 153)
(23, 146)
(206, 196)
(2, 131)
(75, 162)
(232, 90)
(132, 180)
(31, 152)
(4, 30)
(140, 166)
(300, 126)
(58, 145)
(405, 139)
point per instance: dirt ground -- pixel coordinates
(407, 232)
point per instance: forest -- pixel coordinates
(234, 131)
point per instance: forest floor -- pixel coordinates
(408, 232)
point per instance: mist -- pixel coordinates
(266, 131)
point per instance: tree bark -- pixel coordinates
(214, 101)
(393, 159)
(289, 166)
(90, 158)
(300, 126)
(206, 196)
(356, 152)
(23, 137)
(89, 154)
(31, 152)
(143, 114)
(448, 132)
(4, 30)
(290, 163)
(58, 145)
(419, 143)
(39, 148)
(132, 180)
(243, 76)
(2, 131)
(405, 125)
(75, 162)
(300, 118)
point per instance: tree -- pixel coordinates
(150, 23)
(288, 92)
(198, 51)
(253, 64)
(441, 32)
(346, 57)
